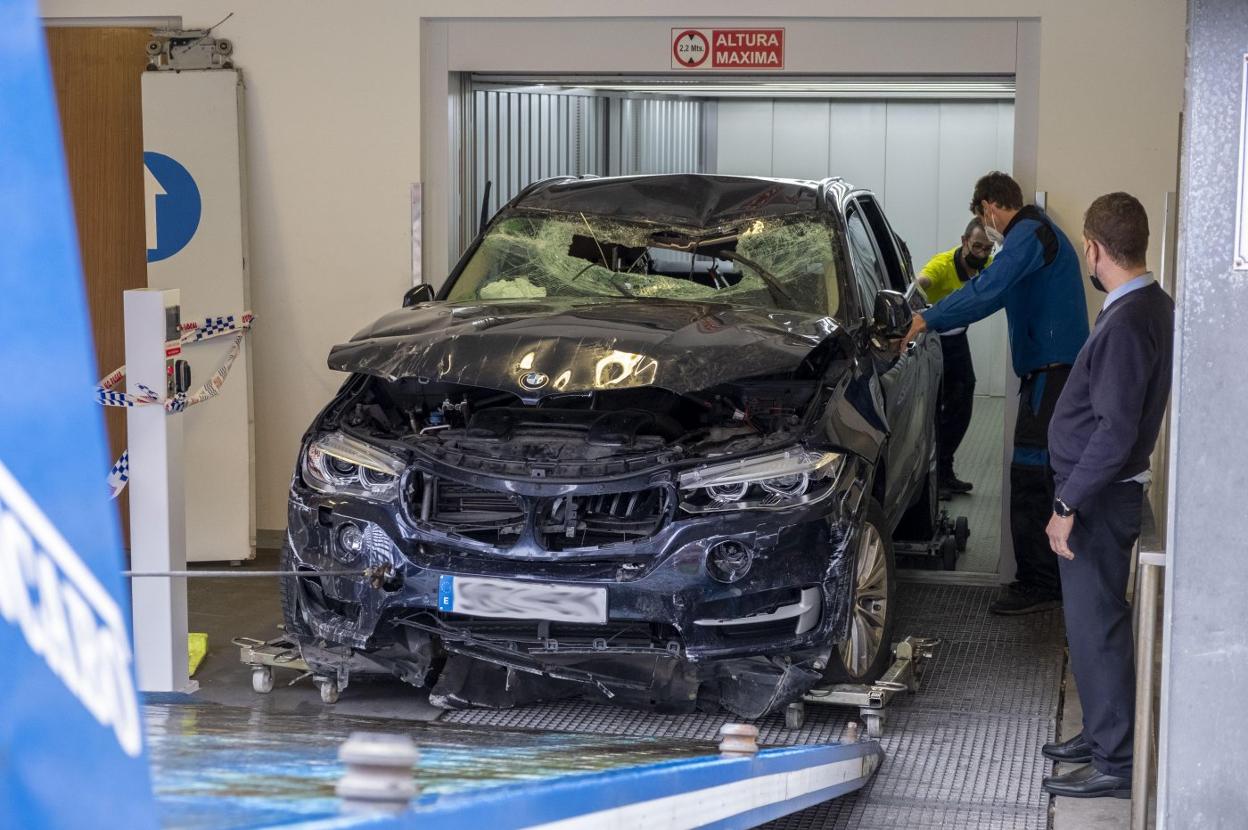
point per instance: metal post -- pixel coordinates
(157, 508)
(1147, 592)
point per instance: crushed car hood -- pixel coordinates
(548, 347)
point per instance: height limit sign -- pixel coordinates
(727, 48)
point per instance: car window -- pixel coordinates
(784, 262)
(895, 271)
(867, 271)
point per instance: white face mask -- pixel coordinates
(994, 236)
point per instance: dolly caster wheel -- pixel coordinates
(795, 715)
(262, 680)
(961, 532)
(329, 690)
(875, 724)
(949, 554)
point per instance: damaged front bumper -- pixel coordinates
(673, 634)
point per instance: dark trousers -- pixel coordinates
(957, 397)
(1031, 483)
(1098, 621)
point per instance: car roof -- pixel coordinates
(682, 199)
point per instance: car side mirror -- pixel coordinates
(422, 293)
(893, 315)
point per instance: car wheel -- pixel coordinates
(866, 651)
(288, 592)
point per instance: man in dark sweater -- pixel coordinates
(1036, 278)
(1100, 440)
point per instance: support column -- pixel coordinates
(157, 507)
(1203, 756)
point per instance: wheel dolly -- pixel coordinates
(947, 542)
(280, 652)
(872, 700)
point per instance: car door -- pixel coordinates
(900, 373)
(927, 365)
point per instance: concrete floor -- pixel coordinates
(979, 461)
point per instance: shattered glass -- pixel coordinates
(786, 262)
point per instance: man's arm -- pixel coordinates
(1122, 368)
(986, 293)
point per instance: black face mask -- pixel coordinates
(975, 263)
(1097, 284)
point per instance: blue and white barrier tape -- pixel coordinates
(193, 332)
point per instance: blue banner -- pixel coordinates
(71, 738)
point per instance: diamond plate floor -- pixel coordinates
(962, 753)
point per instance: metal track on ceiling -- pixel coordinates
(996, 88)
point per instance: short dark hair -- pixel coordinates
(998, 188)
(1119, 223)
(972, 226)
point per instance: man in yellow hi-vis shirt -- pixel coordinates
(944, 274)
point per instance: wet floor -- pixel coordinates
(225, 767)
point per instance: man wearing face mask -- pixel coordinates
(1036, 278)
(944, 274)
(1102, 435)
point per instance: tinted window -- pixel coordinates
(894, 270)
(867, 271)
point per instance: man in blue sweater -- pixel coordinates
(1102, 435)
(1036, 279)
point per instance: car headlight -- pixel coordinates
(764, 482)
(340, 465)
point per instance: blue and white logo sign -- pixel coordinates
(71, 733)
(173, 205)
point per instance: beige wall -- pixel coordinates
(333, 134)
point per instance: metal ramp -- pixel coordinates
(964, 752)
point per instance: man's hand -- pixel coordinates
(1059, 535)
(917, 326)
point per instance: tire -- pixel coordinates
(961, 532)
(288, 592)
(867, 650)
(949, 554)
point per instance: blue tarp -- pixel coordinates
(71, 738)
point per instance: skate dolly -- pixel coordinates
(283, 653)
(871, 700)
(946, 543)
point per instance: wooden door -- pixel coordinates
(96, 72)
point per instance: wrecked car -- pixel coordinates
(649, 443)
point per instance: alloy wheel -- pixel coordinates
(869, 614)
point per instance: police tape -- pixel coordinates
(190, 332)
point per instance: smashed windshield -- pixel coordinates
(775, 263)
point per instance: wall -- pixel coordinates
(921, 158)
(334, 140)
(1203, 760)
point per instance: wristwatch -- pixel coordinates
(1063, 509)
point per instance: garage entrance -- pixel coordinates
(918, 143)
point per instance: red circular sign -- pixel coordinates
(690, 48)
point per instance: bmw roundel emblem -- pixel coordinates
(534, 380)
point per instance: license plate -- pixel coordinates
(508, 599)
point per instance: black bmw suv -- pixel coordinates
(650, 442)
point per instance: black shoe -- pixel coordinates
(1075, 751)
(1018, 602)
(1088, 782)
(958, 486)
(943, 493)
